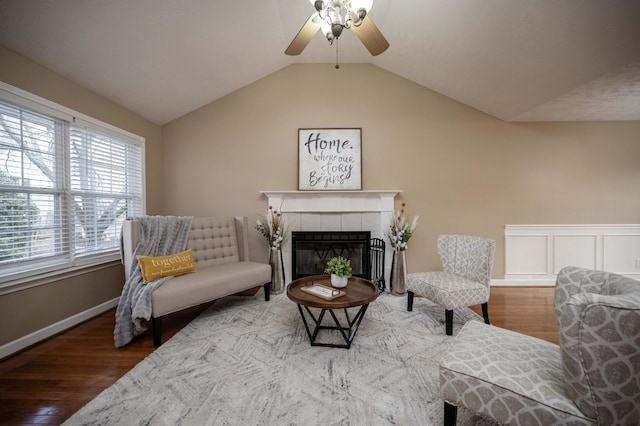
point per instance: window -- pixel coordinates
(67, 182)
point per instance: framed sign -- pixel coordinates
(329, 159)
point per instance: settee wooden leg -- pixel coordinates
(409, 301)
(267, 292)
(450, 414)
(485, 312)
(448, 321)
(157, 331)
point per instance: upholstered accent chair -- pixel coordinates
(592, 377)
(465, 278)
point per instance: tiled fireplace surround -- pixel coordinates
(334, 211)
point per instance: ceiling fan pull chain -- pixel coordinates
(337, 64)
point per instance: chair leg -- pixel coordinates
(485, 312)
(409, 301)
(450, 414)
(157, 331)
(448, 320)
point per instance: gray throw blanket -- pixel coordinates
(160, 236)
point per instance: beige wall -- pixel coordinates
(27, 311)
(461, 170)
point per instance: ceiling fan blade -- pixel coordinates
(304, 36)
(371, 37)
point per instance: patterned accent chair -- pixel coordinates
(592, 377)
(465, 278)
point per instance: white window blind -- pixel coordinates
(106, 185)
(65, 189)
(29, 165)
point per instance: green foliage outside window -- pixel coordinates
(17, 218)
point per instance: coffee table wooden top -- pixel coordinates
(359, 291)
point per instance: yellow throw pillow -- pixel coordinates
(164, 266)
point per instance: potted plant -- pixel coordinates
(340, 270)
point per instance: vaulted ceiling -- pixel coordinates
(518, 60)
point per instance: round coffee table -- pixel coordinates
(358, 294)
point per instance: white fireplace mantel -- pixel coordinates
(332, 201)
(334, 211)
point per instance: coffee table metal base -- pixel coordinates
(347, 332)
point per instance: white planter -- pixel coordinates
(339, 282)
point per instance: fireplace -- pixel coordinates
(311, 250)
(365, 210)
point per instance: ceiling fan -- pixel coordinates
(332, 16)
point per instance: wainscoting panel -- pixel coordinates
(576, 250)
(622, 253)
(527, 255)
(534, 254)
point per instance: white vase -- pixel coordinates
(339, 282)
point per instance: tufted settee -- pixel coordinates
(592, 377)
(220, 249)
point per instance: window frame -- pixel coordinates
(17, 277)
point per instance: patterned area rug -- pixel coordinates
(245, 361)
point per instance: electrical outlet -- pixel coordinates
(637, 263)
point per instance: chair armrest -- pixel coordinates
(573, 280)
(600, 347)
(242, 235)
(131, 232)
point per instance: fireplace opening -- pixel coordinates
(311, 250)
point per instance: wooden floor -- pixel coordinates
(47, 383)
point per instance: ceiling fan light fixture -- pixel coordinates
(336, 30)
(358, 17)
(332, 17)
(325, 28)
(336, 15)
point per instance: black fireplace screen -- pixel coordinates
(313, 249)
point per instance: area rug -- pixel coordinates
(245, 361)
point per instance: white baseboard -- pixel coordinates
(38, 336)
(506, 282)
